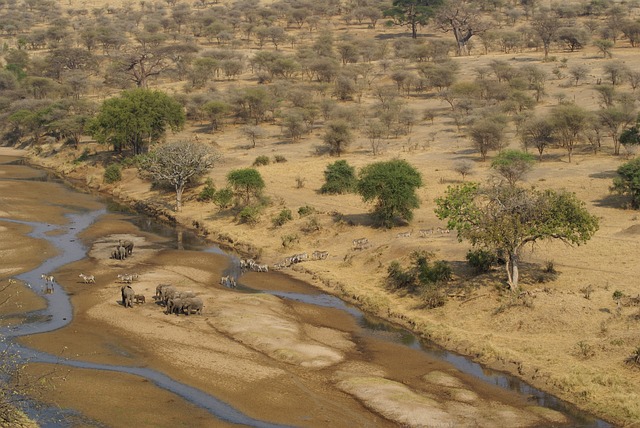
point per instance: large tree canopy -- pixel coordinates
(178, 164)
(628, 181)
(412, 13)
(136, 119)
(507, 218)
(393, 186)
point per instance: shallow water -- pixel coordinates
(59, 313)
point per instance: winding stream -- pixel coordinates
(58, 314)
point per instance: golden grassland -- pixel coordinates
(569, 339)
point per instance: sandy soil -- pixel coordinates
(273, 359)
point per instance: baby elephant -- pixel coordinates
(139, 298)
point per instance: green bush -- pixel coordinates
(250, 215)
(306, 210)
(223, 198)
(134, 161)
(340, 177)
(481, 260)
(279, 159)
(207, 194)
(112, 173)
(438, 272)
(399, 278)
(421, 275)
(282, 218)
(261, 160)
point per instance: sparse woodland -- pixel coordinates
(283, 89)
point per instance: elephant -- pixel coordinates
(159, 290)
(119, 253)
(128, 246)
(174, 305)
(192, 304)
(127, 296)
(167, 292)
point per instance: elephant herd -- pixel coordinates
(123, 250)
(175, 302)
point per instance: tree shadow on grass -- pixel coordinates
(613, 201)
(610, 175)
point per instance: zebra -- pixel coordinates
(48, 278)
(319, 255)
(125, 278)
(360, 243)
(261, 268)
(87, 278)
(406, 234)
(228, 281)
(425, 232)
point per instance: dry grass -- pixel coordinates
(537, 341)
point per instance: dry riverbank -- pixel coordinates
(536, 343)
(559, 327)
(275, 360)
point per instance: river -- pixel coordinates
(376, 341)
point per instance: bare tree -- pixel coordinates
(179, 164)
(461, 18)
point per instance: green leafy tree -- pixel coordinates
(513, 165)
(392, 185)
(507, 218)
(340, 177)
(178, 164)
(412, 13)
(136, 119)
(247, 183)
(628, 181)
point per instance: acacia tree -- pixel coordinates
(178, 164)
(488, 134)
(569, 122)
(513, 165)
(615, 119)
(338, 136)
(392, 185)
(246, 183)
(136, 119)
(538, 132)
(507, 218)
(412, 13)
(546, 25)
(462, 19)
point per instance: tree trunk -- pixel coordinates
(513, 274)
(179, 191)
